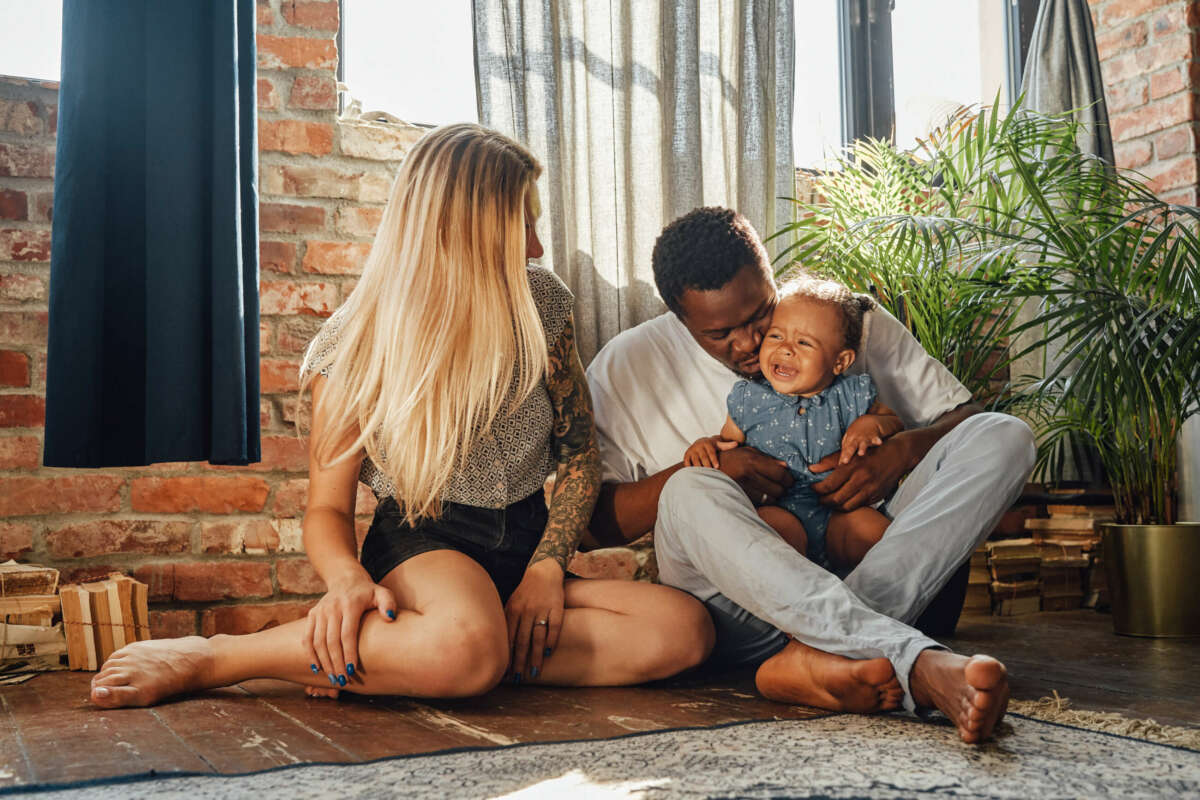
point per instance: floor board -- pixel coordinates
(49, 732)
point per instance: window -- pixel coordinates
(31, 38)
(897, 68)
(410, 58)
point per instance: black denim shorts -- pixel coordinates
(501, 540)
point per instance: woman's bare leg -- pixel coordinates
(448, 640)
(617, 633)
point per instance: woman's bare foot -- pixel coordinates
(317, 691)
(806, 676)
(143, 673)
(972, 692)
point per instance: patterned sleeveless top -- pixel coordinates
(512, 461)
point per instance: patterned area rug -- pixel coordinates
(831, 757)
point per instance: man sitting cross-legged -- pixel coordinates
(843, 643)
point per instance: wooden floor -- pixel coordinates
(48, 732)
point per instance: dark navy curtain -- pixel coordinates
(153, 351)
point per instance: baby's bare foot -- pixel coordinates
(972, 692)
(143, 673)
(801, 674)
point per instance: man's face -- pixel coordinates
(729, 322)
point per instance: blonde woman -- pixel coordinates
(450, 383)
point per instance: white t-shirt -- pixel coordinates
(656, 391)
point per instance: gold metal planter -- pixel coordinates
(1154, 578)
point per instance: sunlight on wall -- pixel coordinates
(31, 38)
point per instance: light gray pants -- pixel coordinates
(710, 541)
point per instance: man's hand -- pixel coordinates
(865, 479)
(761, 477)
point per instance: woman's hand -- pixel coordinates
(331, 635)
(535, 613)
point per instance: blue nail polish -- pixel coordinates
(332, 680)
(391, 614)
(548, 652)
(314, 668)
(350, 670)
(533, 673)
(341, 680)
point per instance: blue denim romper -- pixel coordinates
(801, 431)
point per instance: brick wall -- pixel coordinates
(1149, 60)
(220, 547)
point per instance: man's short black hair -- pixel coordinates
(703, 250)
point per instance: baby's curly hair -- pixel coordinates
(853, 306)
(703, 250)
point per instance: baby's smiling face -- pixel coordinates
(804, 348)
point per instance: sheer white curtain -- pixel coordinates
(640, 111)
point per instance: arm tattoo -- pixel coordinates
(577, 483)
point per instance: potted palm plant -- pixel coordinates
(997, 239)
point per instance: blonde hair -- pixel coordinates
(442, 325)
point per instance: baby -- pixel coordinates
(803, 408)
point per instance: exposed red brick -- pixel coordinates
(221, 580)
(212, 494)
(319, 180)
(264, 336)
(52, 120)
(264, 412)
(1126, 37)
(285, 297)
(251, 617)
(1131, 94)
(286, 52)
(313, 93)
(277, 256)
(44, 206)
(268, 98)
(14, 368)
(26, 161)
(1174, 174)
(13, 204)
(290, 218)
(100, 537)
(1169, 20)
(174, 623)
(77, 493)
(1156, 116)
(290, 498)
(252, 536)
(359, 220)
(335, 258)
(320, 15)
(1115, 13)
(1167, 83)
(615, 563)
(1164, 52)
(298, 576)
(277, 375)
(1183, 197)
(22, 411)
(24, 328)
(295, 333)
(18, 244)
(89, 572)
(295, 136)
(20, 116)
(16, 539)
(265, 14)
(287, 409)
(20, 452)
(19, 288)
(1174, 142)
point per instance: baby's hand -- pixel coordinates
(866, 432)
(703, 452)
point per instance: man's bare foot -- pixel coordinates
(807, 676)
(972, 692)
(143, 673)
